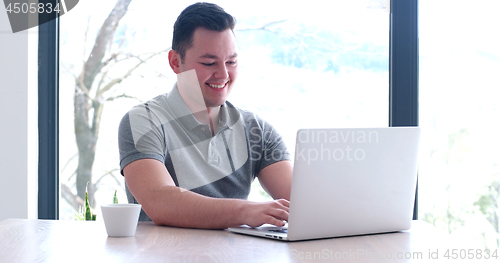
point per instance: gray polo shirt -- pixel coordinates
(222, 166)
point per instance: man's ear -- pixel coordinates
(174, 59)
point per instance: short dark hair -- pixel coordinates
(207, 15)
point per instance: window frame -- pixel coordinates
(48, 115)
(403, 68)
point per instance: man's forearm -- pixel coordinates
(167, 204)
(175, 207)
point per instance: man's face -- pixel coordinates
(213, 56)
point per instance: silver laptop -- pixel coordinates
(349, 182)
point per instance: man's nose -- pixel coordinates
(222, 72)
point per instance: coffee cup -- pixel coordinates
(121, 219)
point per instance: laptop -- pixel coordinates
(349, 182)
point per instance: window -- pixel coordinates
(459, 163)
(48, 201)
(295, 62)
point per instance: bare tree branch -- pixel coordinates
(69, 161)
(103, 77)
(127, 57)
(116, 81)
(67, 69)
(81, 87)
(264, 27)
(122, 96)
(74, 200)
(106, 174)
(71, 176)
(111, 58)
(119, 80)
(98, 102)
(85, 38)
(104, 37)
(98, 105)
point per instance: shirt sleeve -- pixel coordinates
(140, 137)
(267, 145)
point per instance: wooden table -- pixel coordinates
(79, 241)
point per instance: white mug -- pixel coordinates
(121, 219)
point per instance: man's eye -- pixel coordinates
(231, 62)
(207, 64)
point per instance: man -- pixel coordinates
(189, 156)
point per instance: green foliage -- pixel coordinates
(80, 214)
(115, 198)
(489, 204)
(85, 214)
(89, 216)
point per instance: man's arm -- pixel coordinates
(276, 179)
(166, 204)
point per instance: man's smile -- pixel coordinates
(216, 86)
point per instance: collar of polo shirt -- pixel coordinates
(228, 116)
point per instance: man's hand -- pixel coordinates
(272, 212)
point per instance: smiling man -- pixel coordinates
(189, 156)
